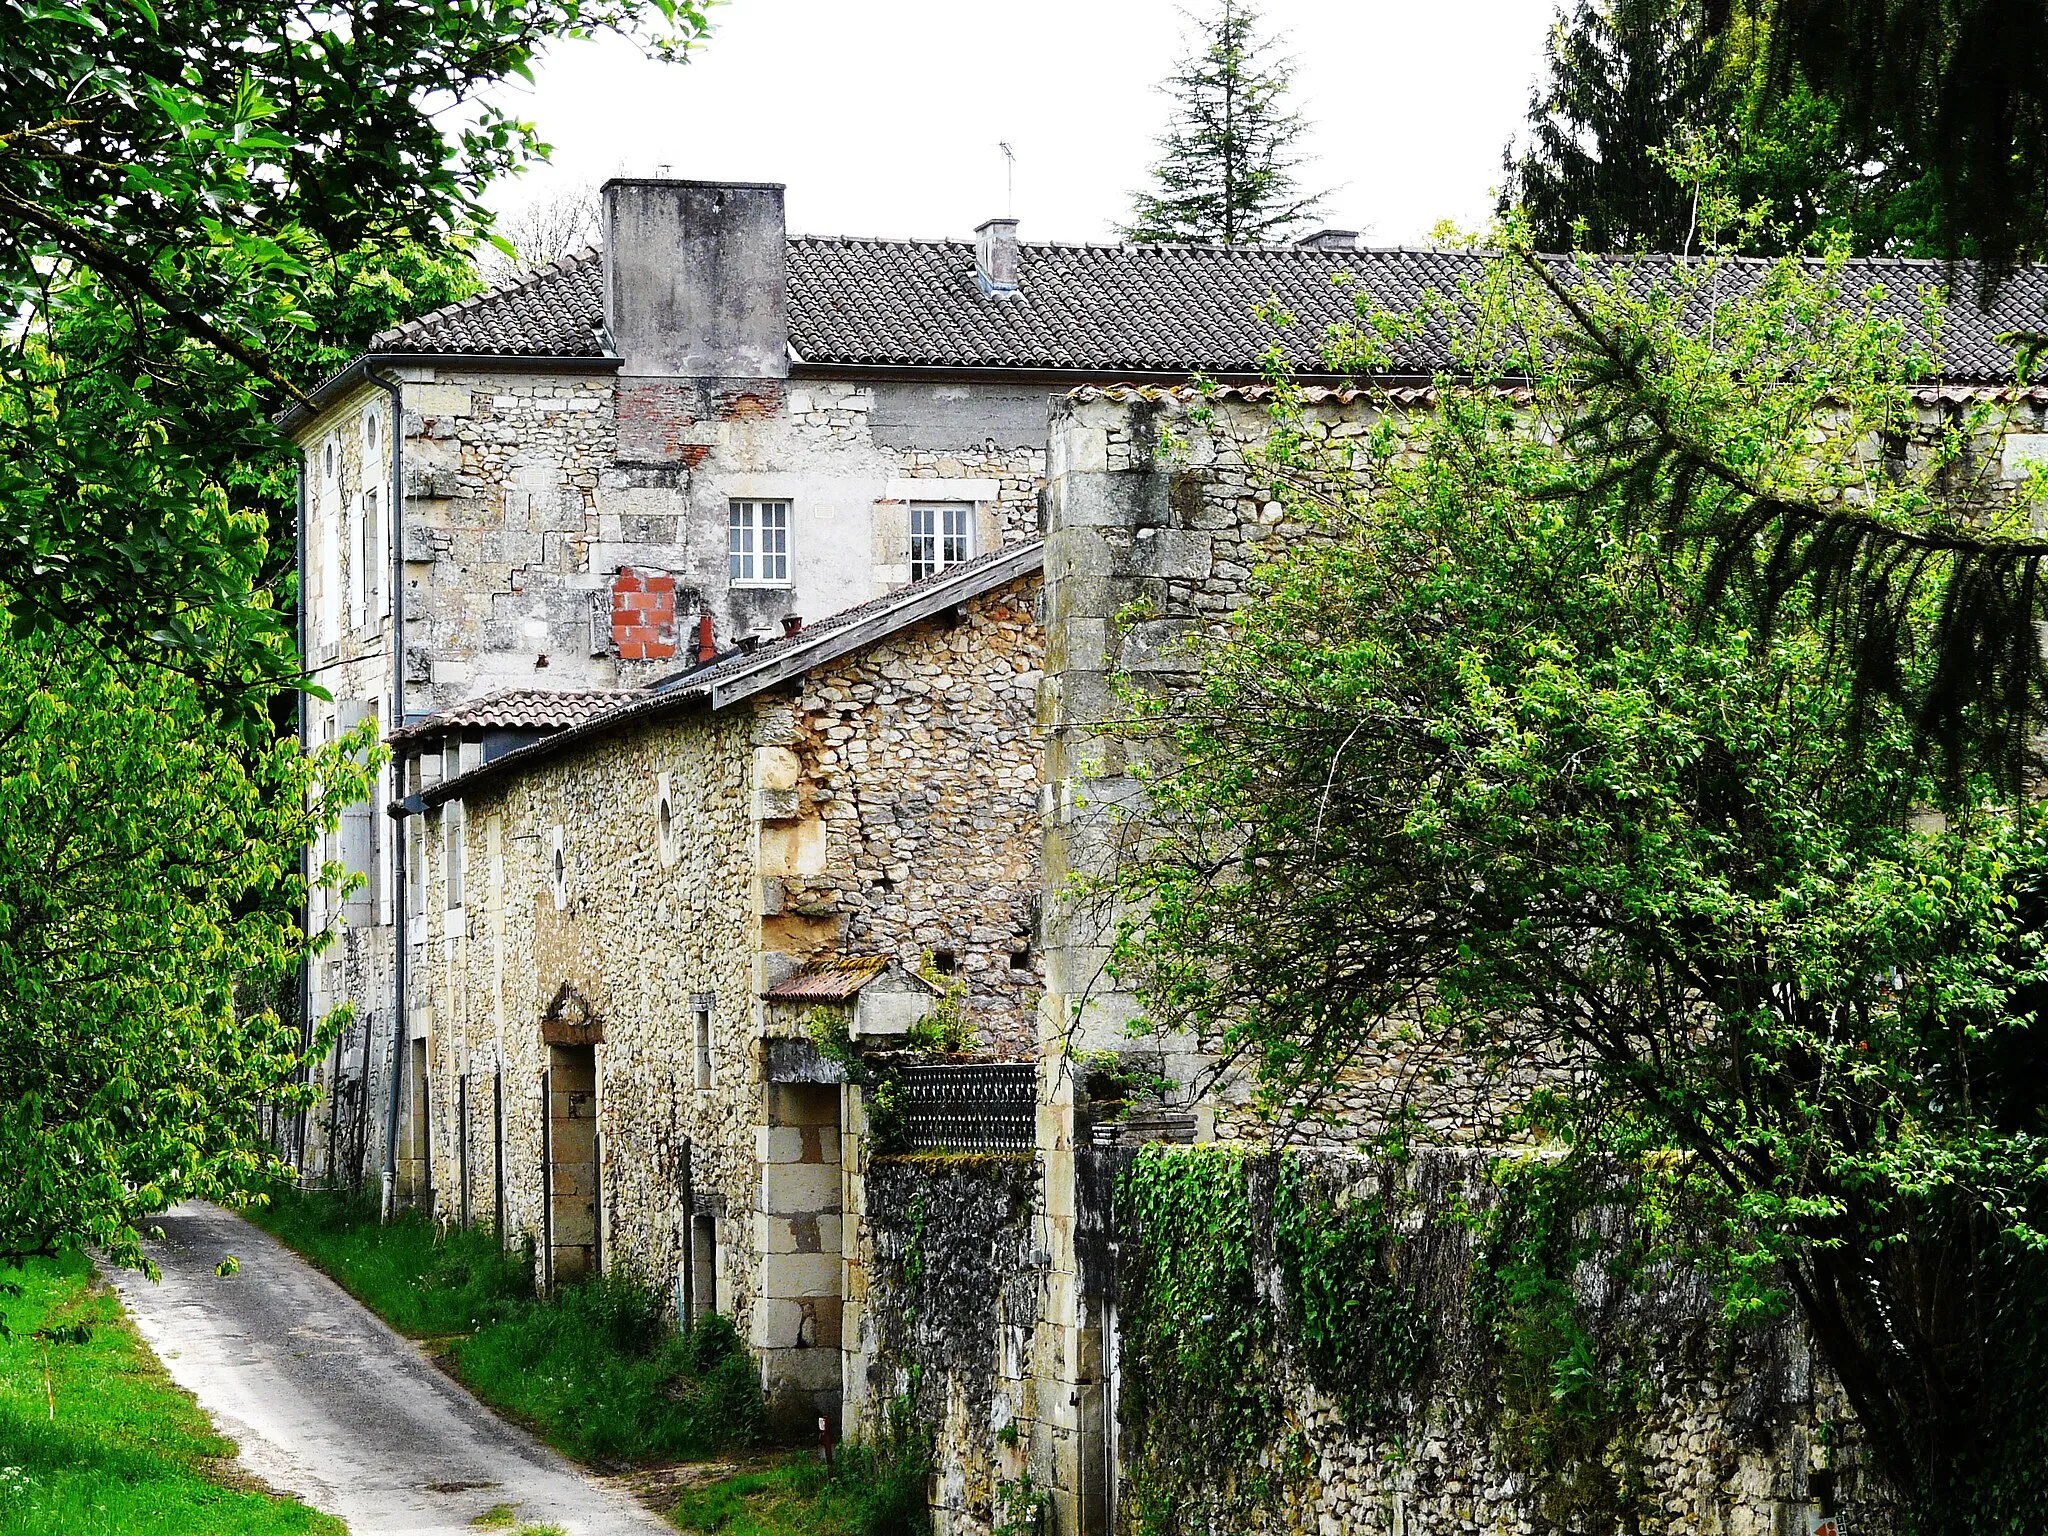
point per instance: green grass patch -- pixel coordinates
(105, 1444)
(869, 1490)
(595, 1369)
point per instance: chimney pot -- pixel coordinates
(791, 624)
(1329, 240)
(995, 259)
(707, 649)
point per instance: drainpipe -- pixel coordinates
(387, 1203)
(305, 851)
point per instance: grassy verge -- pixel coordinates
(105, 1445)
(594, 1369)
(877, 1491)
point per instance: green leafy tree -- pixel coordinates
(190, 165)
(1490, 782)
(152, 889)
(1627, 77)
(1634, 84)
(1958, 86)
(1227, 162)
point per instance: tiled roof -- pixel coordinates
(518, 709)
(1129, 309)
(557, 311)
(828, 981)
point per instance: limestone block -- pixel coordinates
(800, 1274)
(799, 1188)
(776, 767)
(2025, 452)
(440, 399)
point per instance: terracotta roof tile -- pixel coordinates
(828, 981)
(519, 709)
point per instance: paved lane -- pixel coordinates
(328, 1403)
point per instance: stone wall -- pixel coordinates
(1698, 1427)
(919, 757)
(629, 944)
(950, 1299)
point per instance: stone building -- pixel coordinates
(735, 703)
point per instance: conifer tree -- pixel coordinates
(1626, 77)
(1227, 162)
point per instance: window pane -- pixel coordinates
(775, 541)
(740, 541)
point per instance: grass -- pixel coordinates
(106, 1445)
(868, 1491)
(594, 1369)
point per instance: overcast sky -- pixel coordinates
(883, 116)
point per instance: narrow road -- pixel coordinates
(328, 1403)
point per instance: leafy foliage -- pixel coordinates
(1226, 171)
(1961, 86)
(187, 168)
(151, 882)
(1647, 106)
(1489, 784)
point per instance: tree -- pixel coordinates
(548, 228)
(1636, 84)
(1626, 78)
(1226, 172)
(1487, 781)
(1961, 86)
(190, 164)
(152, 888)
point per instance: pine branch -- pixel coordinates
(1972, 679)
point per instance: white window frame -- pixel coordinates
(758, 541)
(941, 536)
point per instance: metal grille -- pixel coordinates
(985, 1107)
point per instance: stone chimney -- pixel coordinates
(995, 258)
(1329, 240)
(695, 279)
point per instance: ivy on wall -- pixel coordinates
(1208, 1344)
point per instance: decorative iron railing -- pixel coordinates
(978, 1107)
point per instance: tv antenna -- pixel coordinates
(1009, 180)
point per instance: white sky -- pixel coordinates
(883, 116)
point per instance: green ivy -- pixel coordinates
(1573, 1398)
(1361, 1333)
(1198, 1340)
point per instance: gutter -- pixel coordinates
(306, 849)
(395, 431)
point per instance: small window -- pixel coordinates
(558, 871)
(451, 852)
(945, 962)
(940, 537)
(665, 819)
(370, 433)
(329, 457)
(757, 542)
(703, 1047)
(373, 556)
(703, 1265)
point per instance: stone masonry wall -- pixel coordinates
(1147, 505)
(919, 758)
(644, 934)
